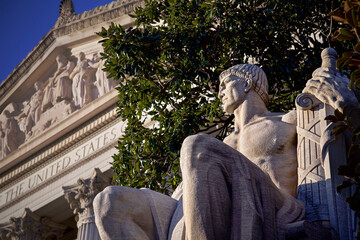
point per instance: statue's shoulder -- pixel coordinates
(278, 125)
(290, 117)
(279, 118)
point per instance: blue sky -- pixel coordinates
(24, 22)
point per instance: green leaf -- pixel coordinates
(345, 171)
(332, 118)
(338, 15)
(346, 56)
(344, 184)
(355, 79)
(357, 47)
(337, 130)
(339, 115)
(343, 34)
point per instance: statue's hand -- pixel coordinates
(331, 88)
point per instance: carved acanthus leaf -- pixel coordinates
(81, 195)
(31, 226)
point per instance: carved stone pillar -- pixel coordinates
(319, 156)
(80, 197)
(31, 226)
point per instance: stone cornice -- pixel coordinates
(63, 173)
(26, 63)
(60, 146)
(76, 22)
(96, 16)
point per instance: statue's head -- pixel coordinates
(252, 76)
(61, 60)
(7, 113)
(38, 85)
(81, 56)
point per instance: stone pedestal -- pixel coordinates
(31, 226)
(80, 197)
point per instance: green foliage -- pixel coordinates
(168, 65)
(349, 15)
(349, 121)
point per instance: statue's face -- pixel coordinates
(61, 60)
(81, 56)
(37, 85)
(232, 92)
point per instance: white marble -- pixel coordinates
(253, 173)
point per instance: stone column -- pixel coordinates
(31, 226)
(80, 196)
(319, 156)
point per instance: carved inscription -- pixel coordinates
(91, 146)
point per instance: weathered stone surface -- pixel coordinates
(80, 196)
(243, 188)
(71, 87)
(31, 226)
(320, 153)
(230, 189)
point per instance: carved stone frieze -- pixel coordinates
(69, 88)
(60, 146)
(66, 25)
(31, 226)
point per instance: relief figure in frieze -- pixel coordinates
(59, 85)
(34, 108)
(11, 134)
(83, 77)
(102, 83)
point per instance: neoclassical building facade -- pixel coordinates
(58, 129)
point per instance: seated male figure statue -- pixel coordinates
(242, 188)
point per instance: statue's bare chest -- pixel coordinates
(260, 140)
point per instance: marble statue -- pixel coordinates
(59, 85)
(34, 108)
(102, 83)
(12, 135)
(83, 76)
(242, 188)
(78, 85)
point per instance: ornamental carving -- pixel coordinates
(66, 11)
(31, 226)
(81, 195)
(77, 81)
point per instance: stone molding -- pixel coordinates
(31, 226)
(59, 147)
(113, 10)
(63, 173)
(77, 22)
(26, 63)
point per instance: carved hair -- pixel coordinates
(253, 75)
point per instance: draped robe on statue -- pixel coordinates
(224, 195)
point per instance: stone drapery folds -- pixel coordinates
(243, 188)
